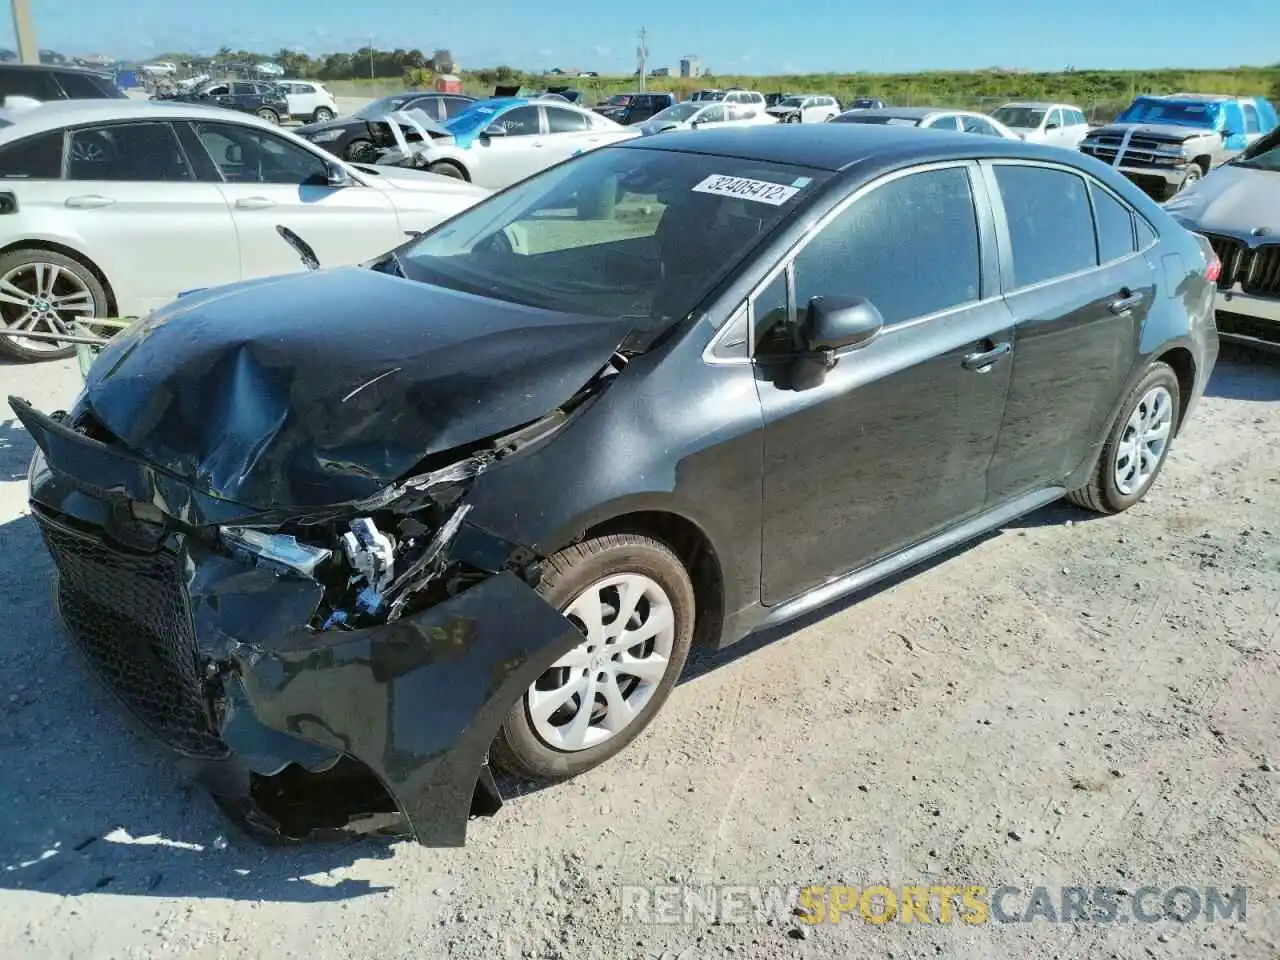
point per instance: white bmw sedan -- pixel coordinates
(114, 207)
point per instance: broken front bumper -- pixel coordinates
(215, 658)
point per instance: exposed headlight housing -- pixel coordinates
(1169, 149)
(280, 548)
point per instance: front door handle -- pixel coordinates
(88, 201)
(1126, 302)
(982, 361)
(254, 203)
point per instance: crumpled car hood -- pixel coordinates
(1231, 200)
(321, 388)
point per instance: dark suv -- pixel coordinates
(248, 96)
(628, 108)
(47, 82)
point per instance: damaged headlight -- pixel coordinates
(281, 548)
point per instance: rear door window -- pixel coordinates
(560, 120)
(1050, 223)
(921, 224)
(946, 121)
(127, 152)
(520, 122)
(36, 84)
(1250, 118)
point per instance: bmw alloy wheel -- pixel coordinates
(1145, 439)
(42, 298)
(599, 687)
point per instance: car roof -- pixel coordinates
(834, 147)
(58, 68)
(57, 114)
(1048, 104)
(913, 112)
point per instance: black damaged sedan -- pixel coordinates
(344, 539)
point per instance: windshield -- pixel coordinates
(619, 100)
(790, 101)
(678, 113)
(643, 234)
(382, 106)
(1181, 113)
(1028, 118)
(882, 118)
(1262, 154)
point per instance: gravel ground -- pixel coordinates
(1075, 700)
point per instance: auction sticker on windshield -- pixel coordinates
(761, 191)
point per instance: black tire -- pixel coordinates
(321, 115)
(361, 151)
(9, 346)
(447, 168)
(518, 749)
(1101, 494)
(269, 115)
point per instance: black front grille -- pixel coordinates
(127, 612)
(1263, 278)
(1257, 270)
(1233, 253)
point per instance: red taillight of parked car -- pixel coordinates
(1212, 263)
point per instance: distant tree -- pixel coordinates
(504, 74)
(442, 61)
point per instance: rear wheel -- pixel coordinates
(268, 115)
(1136, 446)
(42, 291)
(633, 601)
(447, 169)
(322, 114)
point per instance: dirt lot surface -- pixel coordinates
(1073, 701)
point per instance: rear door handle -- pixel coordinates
(1126, 303)
(982, 361)
(254, 203)
(88, 201)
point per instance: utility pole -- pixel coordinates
(25, 31)
(370, 58)
(642, 55)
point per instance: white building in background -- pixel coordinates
(689, 66)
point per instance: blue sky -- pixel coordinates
(742, 36)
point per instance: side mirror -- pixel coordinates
(1051, 126)
(495, 130)
(836, 323)
(337, 176)
(1228, 134)
(693, 124)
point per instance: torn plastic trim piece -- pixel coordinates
(417, 701)
(426, 567)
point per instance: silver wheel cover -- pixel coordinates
(1145, 439)
(598, 688)
(42, 298)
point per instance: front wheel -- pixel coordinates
(361, 151)
(447, 169)
(1136, 446)
(633, 601)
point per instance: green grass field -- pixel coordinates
(1100, 93)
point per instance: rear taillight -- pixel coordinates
(1212, 263)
